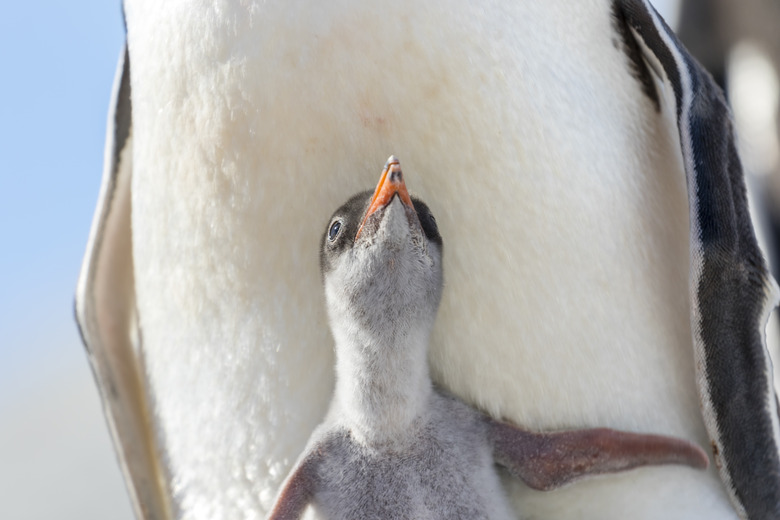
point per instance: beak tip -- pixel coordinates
(390, 183)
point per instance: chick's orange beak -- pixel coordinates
(390, 183)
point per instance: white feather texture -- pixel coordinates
(557, 187)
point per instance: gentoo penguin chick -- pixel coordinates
(393, 446)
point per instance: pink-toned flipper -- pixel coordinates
(297, 491)
(547, 461)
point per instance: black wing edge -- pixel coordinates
(106, 316)
(732, 292)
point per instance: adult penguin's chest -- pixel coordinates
(556, 184)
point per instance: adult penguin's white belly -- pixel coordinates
(559, 192)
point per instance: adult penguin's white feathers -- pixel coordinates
(567, 262)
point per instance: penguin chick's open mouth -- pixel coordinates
(391, 186)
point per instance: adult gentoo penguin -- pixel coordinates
(600, 251)
(392, 445)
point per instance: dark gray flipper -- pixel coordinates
(731, 290)
(105, 311)
(547, 461)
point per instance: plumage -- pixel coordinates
(567, 261)
(392, 445)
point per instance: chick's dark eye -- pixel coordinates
(333, 232)
(432, 227)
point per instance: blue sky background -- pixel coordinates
(57, 61)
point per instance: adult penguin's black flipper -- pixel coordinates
(732, 292)
(106, 315)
